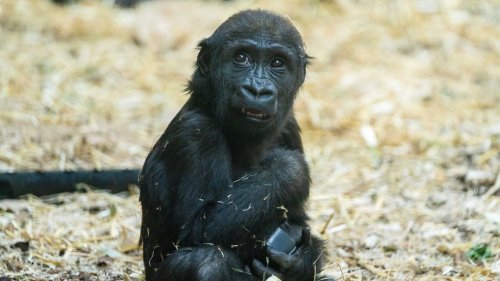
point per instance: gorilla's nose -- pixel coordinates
(259, 91)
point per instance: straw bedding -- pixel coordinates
(400, 116)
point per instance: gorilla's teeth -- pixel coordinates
(253, 114)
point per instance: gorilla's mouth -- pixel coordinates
(254, 114)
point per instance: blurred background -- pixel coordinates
(400, 116)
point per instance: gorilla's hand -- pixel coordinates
(296, 267)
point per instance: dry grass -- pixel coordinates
(400, 116)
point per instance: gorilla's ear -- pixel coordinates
(204, 55)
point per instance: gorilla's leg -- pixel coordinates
(202, 263)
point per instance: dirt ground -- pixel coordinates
(400, 115)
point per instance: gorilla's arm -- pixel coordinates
(190, 163)
(187, 163)
(259, 201)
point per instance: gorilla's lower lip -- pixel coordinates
(255, 114)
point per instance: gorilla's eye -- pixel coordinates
(277, 62)
(241, 58)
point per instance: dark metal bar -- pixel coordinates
(13, 185)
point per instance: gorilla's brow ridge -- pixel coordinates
(259, 43)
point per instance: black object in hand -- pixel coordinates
(285, 238)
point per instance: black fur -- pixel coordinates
(219, 182)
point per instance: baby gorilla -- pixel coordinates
(223, 190)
